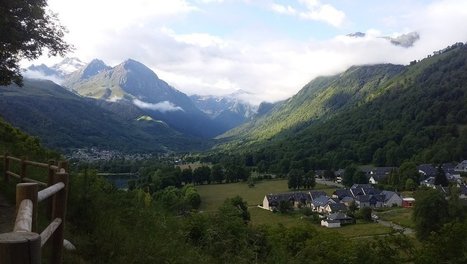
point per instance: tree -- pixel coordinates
(364, 214)
(348, 175)
(284, 206)
(440, 177)
(309, 181)
(26, 29)
(410, 185)
(187, 175)
(295, 179)
(360, 177)
(241, 207)
(217, 173)
(430, 212)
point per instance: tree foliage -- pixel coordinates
(27, 28)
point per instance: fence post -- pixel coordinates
(28, 191)
(20, 248)
(63, 164)
(50, 179)
(23, 168)
(59, 211)
(6, 167)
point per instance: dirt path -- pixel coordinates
(7, 215)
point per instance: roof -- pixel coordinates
(461, 166)
(316, 194)
(321, 201)
(339, 216)
(408, 199)
(290, 196)
(337, 207)
(427, 169)
(347, 199)
(357, 185)
(388, 194)
(341, 193)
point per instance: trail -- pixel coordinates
(7, 215)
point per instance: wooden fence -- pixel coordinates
(23, 245)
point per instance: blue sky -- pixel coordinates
(271, 48)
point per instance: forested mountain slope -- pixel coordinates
(64, 120)
(419, 113)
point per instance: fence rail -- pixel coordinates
(23, 245)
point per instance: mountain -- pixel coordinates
(64, 120)
(230, 110)
(58, 70)
(131, 82)
(322, 97)
(380, 114)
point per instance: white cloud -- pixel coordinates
(39, 75)
(283, 9)
(163, 107)
(315, 10)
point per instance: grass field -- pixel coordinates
(213, 195)
(400, 216)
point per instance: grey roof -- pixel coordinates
(461, 166)
(427, 169)
(341, 193)
(321, 201)
(316, 194)
(338, 207)
(347, 199)
(388, 194)
(291, 196)
(339, 216)
(358, 185)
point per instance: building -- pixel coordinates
(408, 202)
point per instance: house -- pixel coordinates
(337, 220)
(463, 192)
(319, 204)
(376, 175)
(335, 208)
(428, 182)
(369, 201)
(426, 171)
(461, 167)
(316, 194)
(297, 199)
(341, 193)
(391, 199)
(408, 202)
(347, 200)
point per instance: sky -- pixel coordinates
(270, 48)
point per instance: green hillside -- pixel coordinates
(319, 99)
(17, 143)
(63, 120)
(416, 112)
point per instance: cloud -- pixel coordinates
(283, 9)
(39, 75)
(314, 10)
(271, 66)
(163, 107)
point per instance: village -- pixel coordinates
(336, 210)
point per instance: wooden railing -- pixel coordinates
(23, 245)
